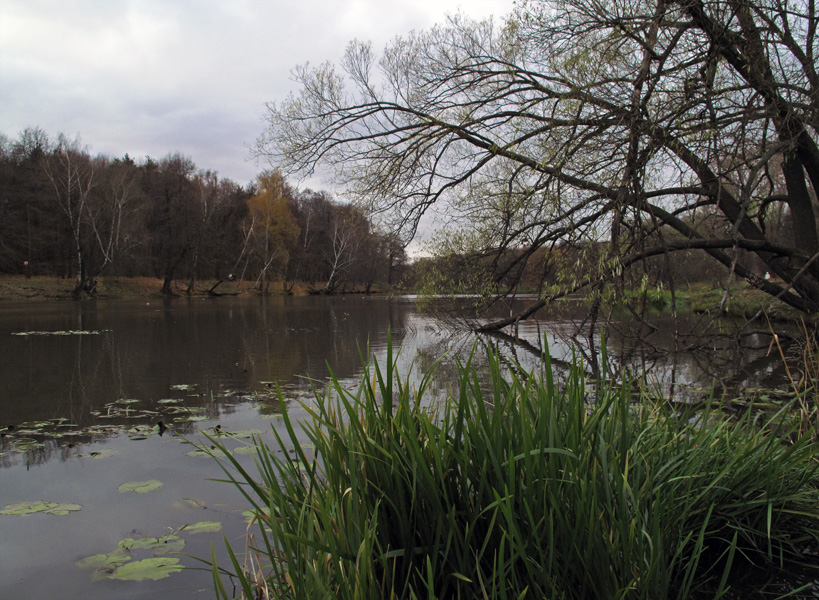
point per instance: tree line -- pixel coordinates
(68, 213)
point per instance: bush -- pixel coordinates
(525, 489)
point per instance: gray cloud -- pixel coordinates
(148, 77)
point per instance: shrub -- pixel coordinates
(523, 488)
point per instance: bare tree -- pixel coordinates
(108, 211)
(71, 172)
(348, 231)
(580, 120)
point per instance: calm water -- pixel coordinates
(83, 385)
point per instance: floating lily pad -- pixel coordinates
(68, 332)
(149, 568)
(34, 424)
(169, 401)
(103, 564)
(160, 545)
(192, 418)
(195, 502)
(245, 450)
(104, 561)
(28, 508)
(140, 487)
(202, 527)
(215, 452)
(183, 386)
(244, 433)
(63, 509)
(127, 401)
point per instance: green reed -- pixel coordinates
(522, 488)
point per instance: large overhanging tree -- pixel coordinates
(664, 125)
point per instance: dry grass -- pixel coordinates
(18, 287)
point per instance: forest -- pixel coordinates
(65, 212)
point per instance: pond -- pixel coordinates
(106, 490)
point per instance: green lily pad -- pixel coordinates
(183, 386)
(149, 568)
(202, 527)
(215, 452)
(245, 450)
(28, 508)
(34, 424)
(193, 418)
(104, 561)
(127, 401)
(169, 401)
(244, 433)
(63, 509)
(140, 487)
(195, 502)
(160, 545)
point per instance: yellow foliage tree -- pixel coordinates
(272, 226)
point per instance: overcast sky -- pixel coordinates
(148, 77)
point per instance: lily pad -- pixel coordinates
(245, 450)
(183, 386)
(28, 508)
(140, 487)
(149, 568)
(192, 418)
(160, 545)
(34, 424)
(127, 401)
(214, 452)
(202, 527)
(63, 509)
(244, 433)
(103, 564)
(104, 561)
(69, 332)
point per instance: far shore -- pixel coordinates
(38, 288)
(743, 302)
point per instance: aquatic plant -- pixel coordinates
(525, 488)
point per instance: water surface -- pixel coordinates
(83, 386)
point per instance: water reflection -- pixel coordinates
(211, 353)
(201, 364)
(142, 350)
(684, 356)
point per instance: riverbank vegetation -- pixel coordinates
(520, 486)
(67, 213)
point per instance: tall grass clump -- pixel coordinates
(523, 488)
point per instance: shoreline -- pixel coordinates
(44, 288)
